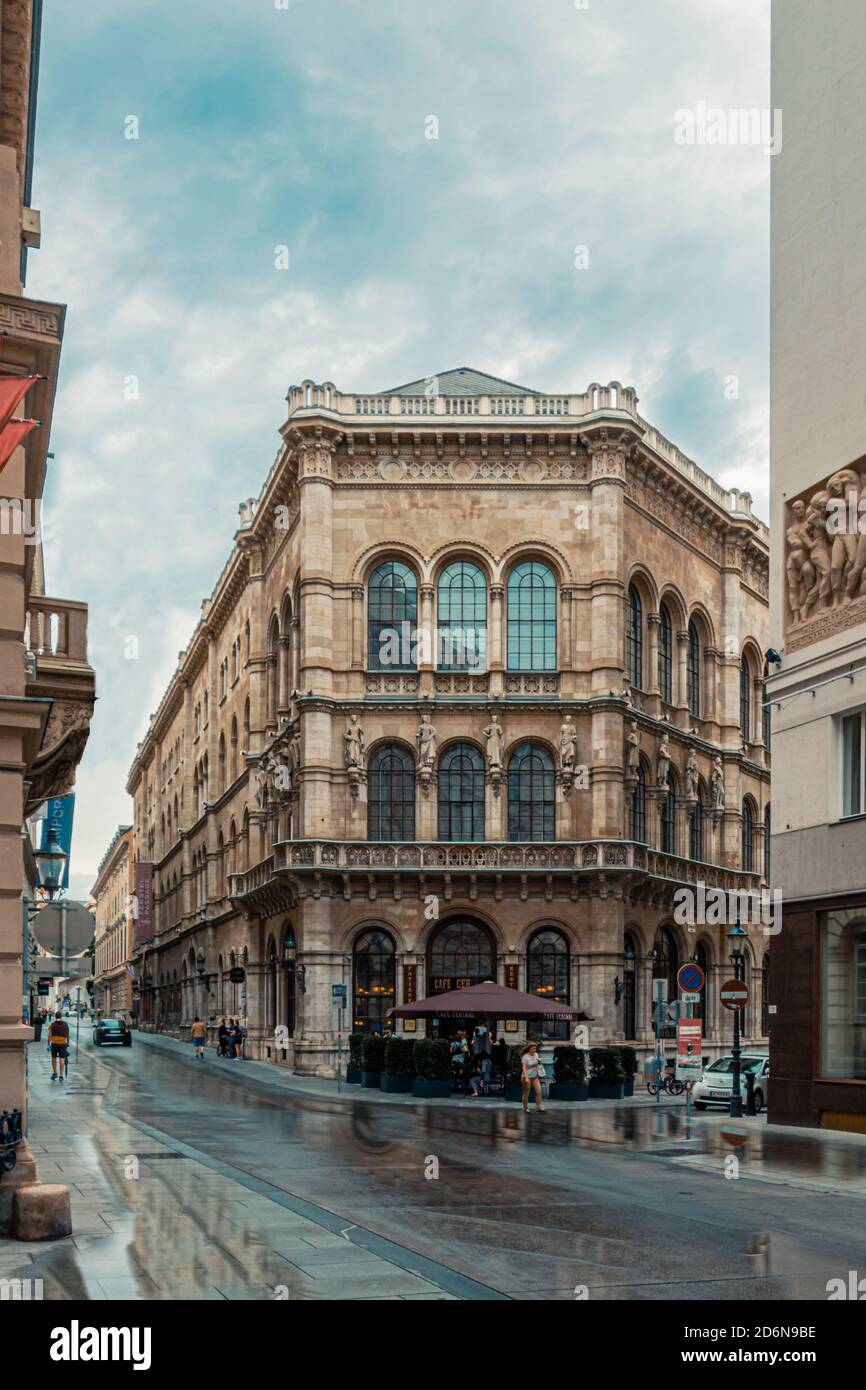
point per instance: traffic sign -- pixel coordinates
(338, 995)
(690, 998)
(690, 977)
(237, 975)
(734, 994)
(690, 1062)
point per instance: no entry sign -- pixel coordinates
(734, 994)
(690, 978)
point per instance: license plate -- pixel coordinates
(720, 1095)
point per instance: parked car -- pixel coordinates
(112, 1030)
(714, 1087)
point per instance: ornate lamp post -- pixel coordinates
(736, 936)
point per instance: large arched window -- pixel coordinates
(637, 808)
(696, 827)
(547, 969)
(693, 672)
(391, 794)
(665, 654)
(629, 985)
(669, 818)
(392, 616)
(461, 631)
(634, 639)
(461, 793)
(461, 953)
(665, 967)
(768, 821)
(747, 839)
(745, 700)
(531, 794)
(374, 976)
(531, 618)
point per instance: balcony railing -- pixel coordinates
(56, 627)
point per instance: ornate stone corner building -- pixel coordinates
(478, 689)
(115, 921)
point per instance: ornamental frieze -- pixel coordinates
(825, 559)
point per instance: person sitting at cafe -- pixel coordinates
(500, 1056)
(482, 1073)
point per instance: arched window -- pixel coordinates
(233, 764)
(273, 668)
(461, 953)
(531, 618)
(696, 827)
(391, 794)
(665, 967)
(392, 616)
(629, 985)
(247, 725)
(669, 818)
(767, 830)
(693, 672)
(637, 808)
(271, 987)
(531, 794)
(221, 770)
(461, 632)
(374, 980)
(547, 969)
(745, 700)
(747, 839)
(634, 639)
(461, 793)
(665, 654)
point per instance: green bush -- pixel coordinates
(569, 1065)
(372, 1052)
(399, 1060)
(628, 1057)
(432, 1059)
(605, 1066)
(356, 1042)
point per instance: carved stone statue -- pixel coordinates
(494, 735)
(717, 785)
(354, 744)
(567, 745)
(663, 765)
(692, 776)
(263, 778)
(633, 741)
(427, 742)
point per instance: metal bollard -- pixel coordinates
(750, 1094)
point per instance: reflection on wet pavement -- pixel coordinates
(186, 1185)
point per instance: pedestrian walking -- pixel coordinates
(531, 1072)
(222, 1039)
(198, 1034)
(58, 1041)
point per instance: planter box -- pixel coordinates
(431, 1090)
(396, 1083)
(370, 1080)
(512, 1090)
(606, 1090)
(353, 1076)
(569, 1090)
(628, 1088)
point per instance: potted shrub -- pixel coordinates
(606, 1075)
(353, 1070)
(513, 1088)
(399, 1067)
(569, 1070)
(432, 1062)
(628, 1057)
(372, 1057)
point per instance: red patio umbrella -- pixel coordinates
(487, 1000)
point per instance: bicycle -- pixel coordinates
(669, 1083)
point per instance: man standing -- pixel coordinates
(198, 1033)
(58, 1041)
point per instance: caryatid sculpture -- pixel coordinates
(567, 752)
(663, 765)
(632, 765)
(355, 751)
(494, 737)
(717, 785)
(427, 744)
(692, 776)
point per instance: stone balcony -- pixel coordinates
(558, 864)
(57, 671)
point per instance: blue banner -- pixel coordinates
(59, 811)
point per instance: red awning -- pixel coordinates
(11, 437)
(487, 1001)
(13, 389)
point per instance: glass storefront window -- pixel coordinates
(843, 994)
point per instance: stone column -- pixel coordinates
(359, 655)
(495, 636)
(654, 694)
(681, 694)
(566, 641)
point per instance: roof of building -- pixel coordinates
(461, 381)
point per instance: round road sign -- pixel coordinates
(690, 978)
(734, 994)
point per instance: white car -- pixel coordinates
(714, 1087)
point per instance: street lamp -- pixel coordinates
(290, 955)
(736, 936)
(50, 864)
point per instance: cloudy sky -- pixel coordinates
(304, 123)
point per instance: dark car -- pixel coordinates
(112, 1030)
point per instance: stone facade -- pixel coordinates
(114, 937)
(299, 794)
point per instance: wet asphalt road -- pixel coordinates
(475, 1202)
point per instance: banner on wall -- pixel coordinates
(59, 811)
(143, 902)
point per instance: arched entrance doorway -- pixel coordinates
(460, 953)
